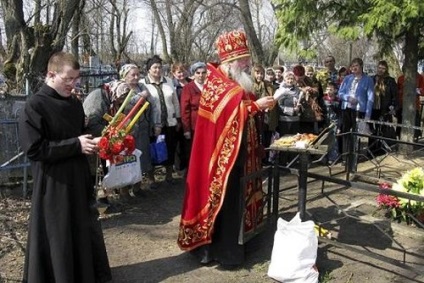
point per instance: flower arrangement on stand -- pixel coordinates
(402, 209)
(116, 141)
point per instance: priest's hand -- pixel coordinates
(266, 102)
(88, 144)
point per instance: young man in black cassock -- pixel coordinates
(65, 240)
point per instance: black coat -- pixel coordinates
(65, 241)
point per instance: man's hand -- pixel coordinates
(265, 102)
(187, 135)
(88, 144)
(158, 130)
(352, 100)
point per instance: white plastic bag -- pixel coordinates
(124, 173)
(294, 252)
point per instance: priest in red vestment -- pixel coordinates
(225, 148)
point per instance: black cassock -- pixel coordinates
(65, 240)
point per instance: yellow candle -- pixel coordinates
(136, 117)
(124, 104)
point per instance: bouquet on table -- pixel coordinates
(116, 141)
(403, 209)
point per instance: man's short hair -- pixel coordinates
(270, 72)
(330, 57)
(258, 68)
(357, 61)
(60, 59)
(280, 68)
(333, 84)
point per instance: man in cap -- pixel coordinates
(225, 148)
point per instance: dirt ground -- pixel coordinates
(141, 240)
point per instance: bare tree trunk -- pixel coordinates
(29, 48)
(409, 91)
(255, 44)
(37, 11)
(2, 50)
(76, 32)
(161, 30)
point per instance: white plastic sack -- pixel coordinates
(294, 252)
(125, 173)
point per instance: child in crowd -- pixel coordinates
(331, 101)
(332, 104)
(269, 75)
(288, 95)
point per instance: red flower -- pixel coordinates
(387, 201)
(117, 147)
(104, 143)
(104, 155)
(129, 143)
(113, 143)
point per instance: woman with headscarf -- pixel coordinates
(180, 79)
(163, 92)
(150, 118)
(190, 99)
(104, 100)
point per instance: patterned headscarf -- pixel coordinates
(196, 66)
(117, 89)
(125, 69)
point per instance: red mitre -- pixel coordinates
(232, 45)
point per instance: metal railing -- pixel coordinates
(14, 158)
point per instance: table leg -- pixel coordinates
(275, 192)
(302, 183)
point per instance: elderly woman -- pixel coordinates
(190, 98)
(180, 80)
(163, 92)
(150, 118)
(104, 100)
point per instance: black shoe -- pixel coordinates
(229, 266)
(171, 181)
(112, 208)
(203, 255)
(206, 259)
(102, 200)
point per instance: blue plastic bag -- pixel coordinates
(158, 150)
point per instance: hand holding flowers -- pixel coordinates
(116, 140)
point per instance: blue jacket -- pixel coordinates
(364, 93)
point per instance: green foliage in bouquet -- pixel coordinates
(411, 182)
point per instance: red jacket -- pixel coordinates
(420, 85)
(189, 104)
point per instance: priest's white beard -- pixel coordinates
(241, 77)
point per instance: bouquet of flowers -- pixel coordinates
(116, 142)
(411, 182)
(389, 202)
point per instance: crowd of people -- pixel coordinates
(217, 119)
